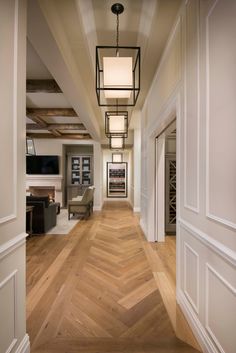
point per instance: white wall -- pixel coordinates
(136, 185)
(196, 82)
(13, 337)
(55, 147)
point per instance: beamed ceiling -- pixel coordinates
(62, 36)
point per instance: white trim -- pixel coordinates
(209, 215)
(136, 209)
(12, 244)
(97, 208)
(222, 250)
(43, 177)
(12, 276)
(227, 285)
(194, 209)
(194, 305)
(13, 215)
(196, 325)
(24, 346)
(12, 345)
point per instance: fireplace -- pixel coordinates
(43, 191)
(44, 185)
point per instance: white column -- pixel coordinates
(13, 335)
(160, 189)
(97, 176)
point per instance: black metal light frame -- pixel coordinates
(111, 51)
(117, 148)
(109, 133)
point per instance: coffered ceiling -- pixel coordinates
(62, 36)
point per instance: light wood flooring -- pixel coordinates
(103, 288)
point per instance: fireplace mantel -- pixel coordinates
(46, 180)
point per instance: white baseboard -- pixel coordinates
(24, 346)
(136, 209)
(97, 208)
(196, 325)
(143, 227)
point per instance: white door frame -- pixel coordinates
(170, 111)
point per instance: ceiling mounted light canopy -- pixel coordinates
(117, 71)
(116, 124)
(117, 143)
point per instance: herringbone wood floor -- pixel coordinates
(98, 290)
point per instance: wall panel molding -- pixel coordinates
(196, 325)
(195, 304)
(226, 253)
(187, 91)
(13, 158)
(229, 287)
(4, 283)
(24, 346)
(209, 214)
(11, 245)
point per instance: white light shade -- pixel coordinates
(116, 142)
(117, 124)
(117, 94)
(117, 73)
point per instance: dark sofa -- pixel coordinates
(44, 213)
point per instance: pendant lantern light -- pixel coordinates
(116, 123)
(117, 71)
(117, 143)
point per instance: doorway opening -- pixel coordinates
(165, 183)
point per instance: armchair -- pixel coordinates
(82, 205)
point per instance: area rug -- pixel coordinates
(64, 226)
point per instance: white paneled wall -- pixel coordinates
(199, 90)
(13, 337)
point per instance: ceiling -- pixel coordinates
(62, 36)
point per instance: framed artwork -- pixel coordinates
(117, 179)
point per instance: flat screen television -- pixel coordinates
(42, 165)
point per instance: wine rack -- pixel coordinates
(117, 179)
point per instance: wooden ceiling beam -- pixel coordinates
(56, 133)
(46, 86)
(49, 112)
(39, 121)
(62, 136)
(49, 127)
(66, 126)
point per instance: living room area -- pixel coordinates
(57, 179)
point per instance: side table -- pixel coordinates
(58, 207)
(29, 210)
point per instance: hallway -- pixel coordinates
(95, 290)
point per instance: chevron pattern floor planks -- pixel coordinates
(97, 290)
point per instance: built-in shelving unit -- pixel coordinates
(79, 174)
(117, 179)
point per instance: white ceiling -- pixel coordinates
(76, 27)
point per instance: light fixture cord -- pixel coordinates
(117, 35)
